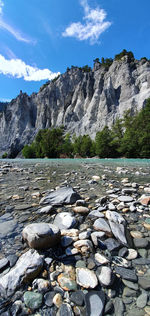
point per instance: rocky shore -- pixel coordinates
(74, 240)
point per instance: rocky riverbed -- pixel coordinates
(74, 239)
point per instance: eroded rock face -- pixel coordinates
(83, 102)
(41, 235)
(26, 269)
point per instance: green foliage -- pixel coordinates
(4, 156)
(55, 79)
(29, 151)
(86, 68)
(125, 53)
(83, 145)
(44, 85)
(103, 139)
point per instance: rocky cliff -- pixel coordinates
(84, 102)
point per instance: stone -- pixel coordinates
(84, 235)
(132, 254)
(42, 285)
(118, 231)
(111, 244)
(140, 242)
(46, 209)
(125, 198)
(32, 300)
(57, 300)
(94, 302)
(83, 243)
(102, 225)
(106, 277)
(95, 236)
(66, 241)
(67, 282)
(3, 264)
(147, 310)
(41, 235)
(123, 252)
(119, 307)
(129, 292)
(126, 274)
(142, 300)
(114, 217)
(27, 268)
(136, 234)
(77, 297)
(95, 213)
(48, 298)
(131, 285)
(86, 278)
(64, 220)
(122, 262)
(64, 195)
(7, 225)
(65, 310)
(100, 259)
(144, 200)
(81, 209)
(144, 282)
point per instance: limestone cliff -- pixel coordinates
(84, 102)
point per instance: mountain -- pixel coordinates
(83, 100)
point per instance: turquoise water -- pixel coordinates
(106, 162)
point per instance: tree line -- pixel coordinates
(129, 137)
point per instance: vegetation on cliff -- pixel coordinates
(128, 137)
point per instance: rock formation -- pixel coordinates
(83, 102)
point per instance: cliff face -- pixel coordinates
(84, 102)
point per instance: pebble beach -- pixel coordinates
(74, 238)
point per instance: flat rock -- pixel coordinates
(65, 310)
(144, 282)
(77, 297)
(86, 278)
(66, 282)
(3, 264)
(95, 213)
(125, 198)
(94, 302)
(142, 300)
(101, 225)
(27, 268)
(81, 209)
(131, 285)
(132, 254)
(64, 220)
(118, 231)
(101, 259)
(7, 225)
(126, 274)
(95, 236)
(41, 235)
(115, 217)
(119, 307)
(64, 195)
(140, 242)
(111, 244)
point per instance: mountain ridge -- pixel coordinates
(82, 100)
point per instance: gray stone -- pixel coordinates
(3, 264)
(41, 235)
(142, 300)
(118, 231)
(95, 213)
(7, 225)
(65, 310)
(77, 297)
(114, 217)
(27, 268)
(48, 298)
(140, 242)
(119, 307)
(64, 195)
(102, 225)
(106, 276)
(111, 244)
(125, 198)
(94, 302)
(46, 209)
(131, 285)
(64, 220)
(144, 282)
(95, 236)
(126, 274)
(129, 292)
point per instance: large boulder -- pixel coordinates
(64, 195)
(41, 235)
(26, 269)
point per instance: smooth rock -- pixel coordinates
(86, 278)
(142, 300)
(27, 268)
(95, 213)
(81, 209)
(48, 298)
(136, 234)
(106, 276)
(94, 302)
(64, 220)
(125, 198)
(132, 254)
(131, 285)
(57, 300)
(119, 307)
(83, 243)
(77, 297)
(66, 282)
(3, 264)
(65, 310)
(33, 300)
(129, 292)
(7, 225)
(140, 242)
(95, 236)
(111, 244)
(64, 195)
(118, 231)
(144, 282)
(46, 209)
(114, 217)
(42, 285)
(102, 225)
(100, 258)
(41, 235)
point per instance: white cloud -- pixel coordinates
(12, 30)
(93, 27)
(18, 69)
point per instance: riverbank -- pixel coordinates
(102, 255)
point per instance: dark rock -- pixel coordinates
(144, 282)
(77, 297)
(140, 242)
(126, 274)
(111, 244)
(65, 310)
(119, 307)
(48, 298)
(4, 263)
(123, 252)
(64, 195)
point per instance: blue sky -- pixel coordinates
(39, 39)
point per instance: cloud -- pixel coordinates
(12, 30)
(93, 27)
(18, 69)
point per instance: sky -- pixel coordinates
(40, 39)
